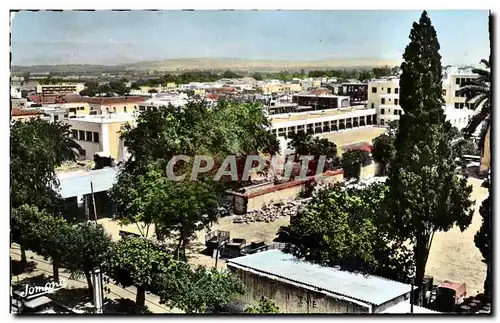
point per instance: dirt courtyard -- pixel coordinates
(453, 254)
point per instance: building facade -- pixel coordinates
(63, 88)
(99, 134)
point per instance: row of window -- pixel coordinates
(462, 80)
(85, 135)
(389, 90)
(396, 112)
(461, 105)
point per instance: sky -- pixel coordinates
(107, 37)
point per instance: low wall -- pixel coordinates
(256, 199)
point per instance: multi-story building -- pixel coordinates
(357, 92)
(453, 78)
(383, 95)
(99, 134)
(175, 99)
(24, 114)
(146, 90)
(280, 88)
(114, 105)
(311, 102)
(63, 88)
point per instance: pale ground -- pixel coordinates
(454, 255)
(353, 136)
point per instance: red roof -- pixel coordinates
(17, 112)
(361, 146)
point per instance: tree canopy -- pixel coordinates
(383, 151)
(352, 162)
(483, 240)
(347, 227)
(266, 306)
(425, 193)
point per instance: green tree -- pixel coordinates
(308, 145)
(86, 247)
(347, 227)
(352, 162)
(24, 221)
(197, 290)
(425, 194)
(136, 261)
(465, 147)
(266, 306)
(230, 75)
(257, 76)
(383, 151)
(483, 241)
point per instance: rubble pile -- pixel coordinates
(270, 212)
(225, 209)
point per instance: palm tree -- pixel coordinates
(478, 92)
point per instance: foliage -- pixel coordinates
(196, 290)
(308, 145)
(465, 147)
(425, 194)
(266, 306)
(136, 261)
(478, 92)
(143, 192)
(37, 148)
(93, 88)
(383, 151)
(352, 162)
(257, 76)
(483, 241)
(230, 75)
(54, 80)
(347, 227)
(86, 247)
(382, 71)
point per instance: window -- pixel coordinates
(457, 105)
(382, 121)
(74, 134)
(396, 90)
(396, 101)
(373, 105)
(56, 118)
(374, 90)
(396, 112)
(96, 137)
(125, 109)
(382, 101)
(89, 135)
(107, 110)
(114, 109)
(444, 92)
(388, 90)
(142, 108)
(65, 116)
(462, 105)
(457, 80)
(81, 135)
(382, 111)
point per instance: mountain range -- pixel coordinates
(215, 64)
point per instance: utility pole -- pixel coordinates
(93, 201)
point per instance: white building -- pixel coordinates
(15, 93)
(177, 100)
(383, 95)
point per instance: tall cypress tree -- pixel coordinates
(425, 193)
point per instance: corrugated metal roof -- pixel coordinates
(78, 183)
(370, 289)
(404, 308)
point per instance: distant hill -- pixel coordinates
(185, 64)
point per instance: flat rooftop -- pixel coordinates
(105, 118)
(77, 183)
(314, 114)
(365, 288)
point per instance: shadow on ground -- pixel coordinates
(18, 268)
(123, 306)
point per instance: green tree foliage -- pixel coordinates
(86, 247)
(197, 290)
(93, 88)
(465, 147)
(352, 162)
(257, 76)
(483, 241)
(478, 93)
(383, 151)
(266, 306)
(425, 194)
(308, 145)
(230, 75)
(183, 207)
(381, 71)
(136, 261)
(347, 227)
(37, 148)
